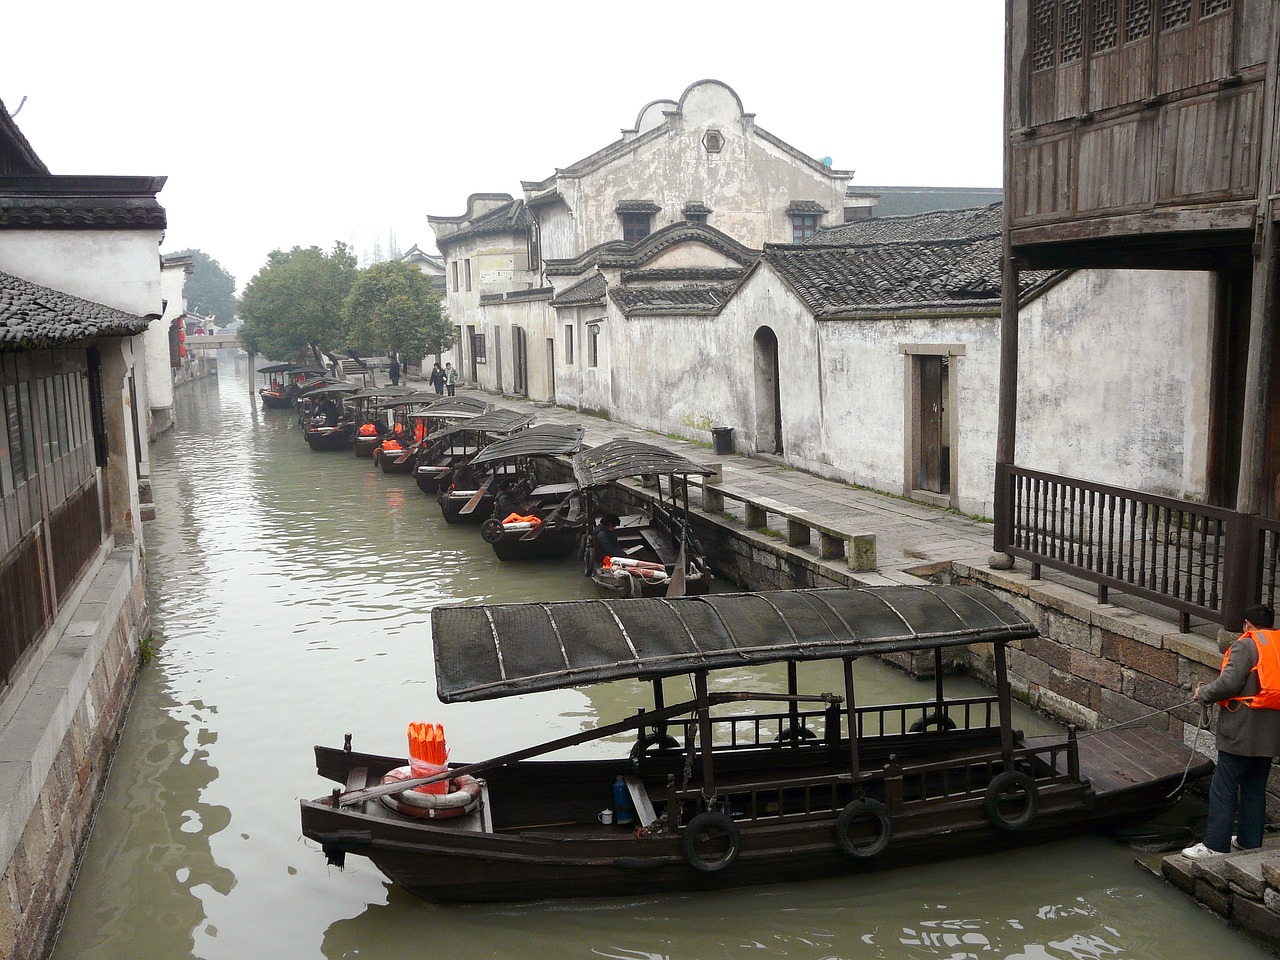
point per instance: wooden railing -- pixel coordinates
(1199, 560)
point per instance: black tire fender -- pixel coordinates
(718, 829)
(857, 811)
(1000, 789)
(491, 530)
(939, 720)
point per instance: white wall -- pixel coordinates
(113, 267)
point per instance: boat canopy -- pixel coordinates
(629, 458)
(502, 650)
(545, 440)
(278, 368)
(498, 421)
(335, 388)
(381, 393)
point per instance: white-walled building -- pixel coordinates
(700, 160)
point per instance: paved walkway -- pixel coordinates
(909, 535)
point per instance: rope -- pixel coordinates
(1191, 754)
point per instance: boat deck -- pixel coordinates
(1116, 761)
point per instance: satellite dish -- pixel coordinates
(826, 161)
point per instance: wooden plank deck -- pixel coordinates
(1118, 760)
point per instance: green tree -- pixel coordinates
(392, 309)
(292, 308)
(210, 291)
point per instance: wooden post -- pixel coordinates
(704, 734)
(1006, 710)
(851, 712)
(1007, 410)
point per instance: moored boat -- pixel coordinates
(546, 519)
(734, 787)
(652, 553)
(327, 421)
(453, 447)
(277, 392)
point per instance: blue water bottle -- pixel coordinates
(623, 815)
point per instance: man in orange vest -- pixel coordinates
(1248, 736)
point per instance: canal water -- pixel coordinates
(291, 594)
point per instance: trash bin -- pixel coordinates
(722, 440)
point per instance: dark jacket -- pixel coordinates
(1242, 730)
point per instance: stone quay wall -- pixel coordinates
(56, 746)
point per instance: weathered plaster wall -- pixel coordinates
(116, 268)
(843, 382)
(748, 183)
(1134, 410)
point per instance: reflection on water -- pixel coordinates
(291, 597)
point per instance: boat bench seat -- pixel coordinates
(640, 800)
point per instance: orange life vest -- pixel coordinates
(368, 430)
(1267, 643)
(419, 431)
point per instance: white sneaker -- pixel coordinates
(1235, 843)
(1199, 852)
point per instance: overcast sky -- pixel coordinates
(282, 125)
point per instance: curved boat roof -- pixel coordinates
(629, 458)
(381, 393)
(544, 440)
(277, 368)
(502, 650)
(497, 421)
(335, 388)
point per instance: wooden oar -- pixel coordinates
(478, 496)
(676, 587)
(470, 769)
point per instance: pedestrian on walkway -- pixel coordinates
(437, 378)
(1248, 736)
(393, 371)
(450, 378)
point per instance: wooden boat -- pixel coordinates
(422, 414)
(278, 388)
(557, 505)
(370, 422)
(455, 446)
(327, 422)
(659, 556)
(735, 787)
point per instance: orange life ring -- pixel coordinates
(463, 797)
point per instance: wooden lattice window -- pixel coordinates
(1042, 43)
(1072, 31)
(1209, 7)
(1105, 25)
(1176, 13)
(1137, 20)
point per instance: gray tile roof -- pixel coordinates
(513, 217)
(684, 274)
(39, 202)
(621, 254)
(33, 317)
(906, 201)
(590, 290)
(633, 301)
(637, 206)
(846, 280)
(935, 225)
(806, 206)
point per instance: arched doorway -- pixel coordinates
(768, 393)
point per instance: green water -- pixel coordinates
(291, 594)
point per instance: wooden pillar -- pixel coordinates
(1007, 411)
(1242, 586)
(1003, 700)
(852, 713)
(704, 734)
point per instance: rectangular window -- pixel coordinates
(568, 343)
(593, 344)
(455, 276)
(803, 226)
(468, 275)
(636, 226)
